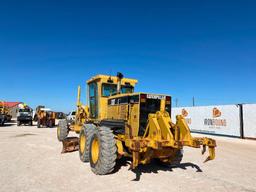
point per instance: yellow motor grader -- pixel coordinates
(45, 117)
(119, 122)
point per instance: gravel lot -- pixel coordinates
(31, 160)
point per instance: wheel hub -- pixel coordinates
(95, 150)
(82, 143)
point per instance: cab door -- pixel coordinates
(93, 102)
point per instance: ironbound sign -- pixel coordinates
(221, 119)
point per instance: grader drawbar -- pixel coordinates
(117, 122)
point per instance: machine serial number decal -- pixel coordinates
(150, 96)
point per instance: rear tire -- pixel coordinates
(103, 151)
(50, 123)
(178, 158)
(38, 123)
(85, 136)
(62, 130)
(172, 161)
(31, 123)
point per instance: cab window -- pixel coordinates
(127, 89)
(108, 89)
(111, 89)
(25, 110)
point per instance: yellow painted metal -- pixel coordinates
(162, 105)
(3, 110)
(95, 150)
(82, 114)
(161, 135)
(82, 143)
(78, 102)
(120, 148)
(114, 79)
(102, 100)
(58, 131)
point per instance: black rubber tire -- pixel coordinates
(107, 151)
(38, 123)
(88, 130)
(178, 158)
(50, 124)
(173, 161)
(2, 121)
(31, 123)
(18, 123)
(35, 117)
(62, 129)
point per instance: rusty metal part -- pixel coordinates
(70, 144)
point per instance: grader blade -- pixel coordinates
(70, 144)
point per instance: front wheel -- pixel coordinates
(102, 151)
(85, 136)
(62, 130)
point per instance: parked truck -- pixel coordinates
(24, 115)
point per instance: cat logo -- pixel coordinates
(216, 112)
(184, 113)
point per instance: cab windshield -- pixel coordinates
(24, 110)
(111, 89)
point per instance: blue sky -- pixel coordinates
(205, 49)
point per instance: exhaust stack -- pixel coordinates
(119, 80)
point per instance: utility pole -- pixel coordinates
(176, 102)
(193, 101)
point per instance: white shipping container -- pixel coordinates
(249, 116)
(221, 119)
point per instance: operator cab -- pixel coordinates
(101, 87)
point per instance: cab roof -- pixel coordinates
(108, 79)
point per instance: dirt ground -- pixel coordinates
(31, 160)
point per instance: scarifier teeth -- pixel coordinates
(207, 159)
(211, 154)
